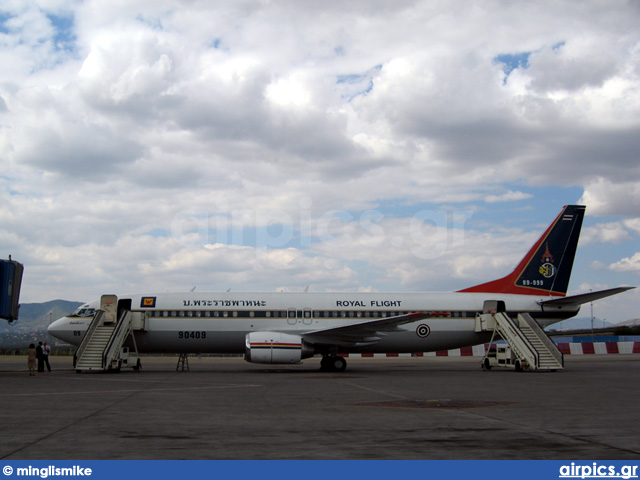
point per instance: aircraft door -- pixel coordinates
(494, 306)
(307, 317)
(292, 316)
(124, 306)
(109, 303)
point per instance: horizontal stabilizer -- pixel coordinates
(584, 297)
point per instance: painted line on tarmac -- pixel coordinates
(141, 390)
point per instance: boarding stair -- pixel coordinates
(531, 347)
(102, 347)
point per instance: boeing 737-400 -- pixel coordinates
(288, 327)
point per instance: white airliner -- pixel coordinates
(288, 327)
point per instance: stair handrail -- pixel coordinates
(93, 325)
(514, 345)
(120, 332)
(544, 338)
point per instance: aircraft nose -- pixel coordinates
(60, 329)
(57, 326)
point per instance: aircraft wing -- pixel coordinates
(576, 300)
(367, 332)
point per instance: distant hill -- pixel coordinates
(629, 323)
(32, 323)
(40, 315)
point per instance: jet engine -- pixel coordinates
(275, 347)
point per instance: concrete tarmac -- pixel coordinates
(395, 408)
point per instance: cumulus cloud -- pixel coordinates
(509, 196)
(605, 196)
(613, 232)
(631, 264)
(581, 63)
(119, 121)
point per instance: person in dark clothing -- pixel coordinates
(40, 357)
(31, 359)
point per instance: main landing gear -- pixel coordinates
(333, 363)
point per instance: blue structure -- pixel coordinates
(10, 281)
(597, 339)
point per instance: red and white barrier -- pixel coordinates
(588, 348)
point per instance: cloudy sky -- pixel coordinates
(159, 145)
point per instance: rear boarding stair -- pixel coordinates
(530, 347)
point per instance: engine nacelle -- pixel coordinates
(275, 347)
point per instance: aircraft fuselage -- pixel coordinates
(219, 322)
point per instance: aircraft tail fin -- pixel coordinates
(546, 268)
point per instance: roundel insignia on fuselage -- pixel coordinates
(423, 330)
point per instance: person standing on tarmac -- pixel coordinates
(46, 350)
(31, 360)
(40, 357)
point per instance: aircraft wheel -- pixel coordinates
(332, 363)
(487, 364)
(339, 364)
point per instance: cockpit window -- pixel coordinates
(84, 311)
